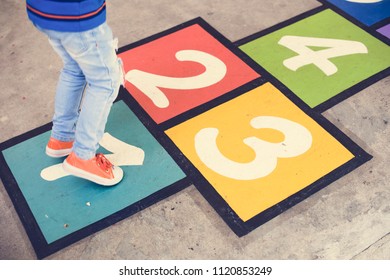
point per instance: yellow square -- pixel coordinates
(258, 149)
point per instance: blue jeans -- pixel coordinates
(87, 86)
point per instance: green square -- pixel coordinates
(309, 82)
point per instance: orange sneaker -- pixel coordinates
(98, 169)
(56, 148)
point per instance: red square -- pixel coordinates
(182, 70)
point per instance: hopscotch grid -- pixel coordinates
(204, 187)
(194, 176)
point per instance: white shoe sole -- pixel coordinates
(118, 175)
(57, 153)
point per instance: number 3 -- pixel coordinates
(297, 141)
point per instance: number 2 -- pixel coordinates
(150, 84)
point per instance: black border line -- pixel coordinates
(161, 34)
(158, 134)
(115, 217)
(41, 247)
(381, 24)
(21, 206)
(278, 26)
(371, 29)
(211, 104)
(341, 96)
(351, 91)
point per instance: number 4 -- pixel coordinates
(334, 48)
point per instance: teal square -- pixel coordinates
(68, 204)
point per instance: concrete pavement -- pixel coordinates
(349, 219)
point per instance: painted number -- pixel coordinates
(296, 142)
(320, 58)
(122, 154)
(150, 84)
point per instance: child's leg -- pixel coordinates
(69, 92)
(99, 63)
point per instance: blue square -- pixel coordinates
(366, 11)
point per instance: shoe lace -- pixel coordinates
(103, 162)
